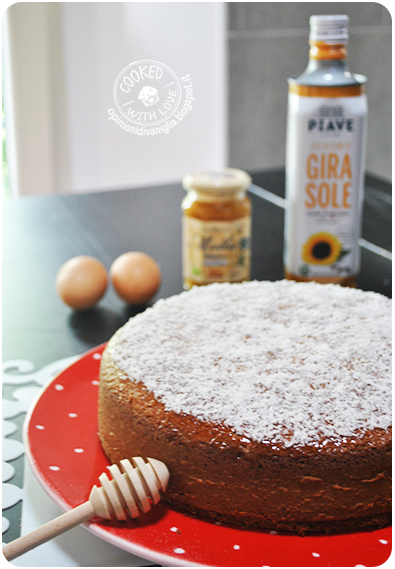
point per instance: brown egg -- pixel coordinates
(81, 282)
(135, 276)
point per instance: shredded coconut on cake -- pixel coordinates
(274, 361)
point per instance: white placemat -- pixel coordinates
(77, 547)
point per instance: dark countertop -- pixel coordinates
(41, 233)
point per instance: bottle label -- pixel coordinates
(216, 251)
(324, 181)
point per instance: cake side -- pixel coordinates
(216, 473)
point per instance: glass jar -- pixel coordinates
(216, 227)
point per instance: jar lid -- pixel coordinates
(331, 28)
(218, 182)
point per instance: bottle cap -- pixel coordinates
(224, 181)
(329, 29)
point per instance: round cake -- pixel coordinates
(269, 402)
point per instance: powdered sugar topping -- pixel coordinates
(304, 361)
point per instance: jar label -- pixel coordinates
(216, 251)
(325, 167)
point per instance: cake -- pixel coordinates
(269, 402)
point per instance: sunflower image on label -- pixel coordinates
(322, 249)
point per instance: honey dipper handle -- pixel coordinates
(48, 531)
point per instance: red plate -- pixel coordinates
(64, 450)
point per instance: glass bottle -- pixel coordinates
(216, 227)
(325, 162)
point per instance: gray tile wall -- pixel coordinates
(268, 42)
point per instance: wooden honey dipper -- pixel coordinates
(136, 488)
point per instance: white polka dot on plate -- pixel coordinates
(97, 356)
(59, 387)
(383, 541)
(72, 415)
(236, 547)
(54, 468)
(78, 450)
(174, 529)
(179, 550)
(315, 554)
(40, 427)
(95, 382)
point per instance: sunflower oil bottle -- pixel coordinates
(326, 134)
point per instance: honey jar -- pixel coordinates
(216, 227)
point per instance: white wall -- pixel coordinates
(78, 54)
(28, 98)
